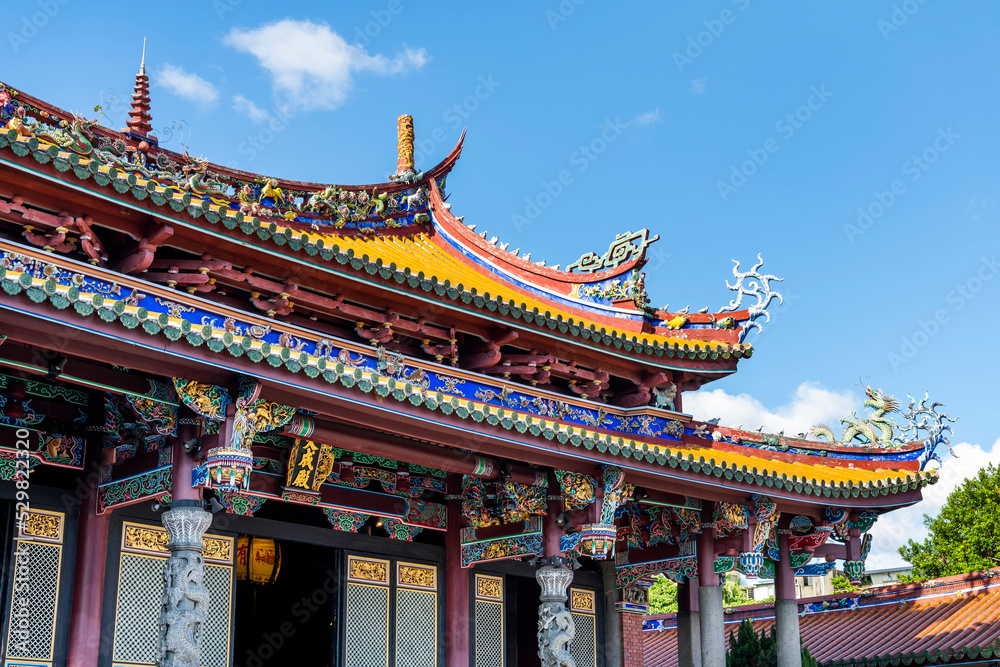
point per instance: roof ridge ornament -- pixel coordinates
(755, 284)
(922, 416)
(405, 169)
(140, 119)
(879, 429)
(622, 249)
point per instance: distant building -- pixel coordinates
(805, 587)
(884, 577)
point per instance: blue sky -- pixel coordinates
(854, 144)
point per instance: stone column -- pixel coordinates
(555, 623)
(786, 607)
(185, 596)
(711, 617)
(688, 625)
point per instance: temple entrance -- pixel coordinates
(290, 618)
(523, 594)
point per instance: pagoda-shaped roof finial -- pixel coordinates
(139, 118)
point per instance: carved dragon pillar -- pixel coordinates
(185, 596)
(554, 575)
(555, 623)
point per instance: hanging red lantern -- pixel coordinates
(258, 559)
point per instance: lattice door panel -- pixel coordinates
(416, 628)
(367, 627)
(215, 631)
(584, 646)
(137, 617)
(489, 634)
(36, 579)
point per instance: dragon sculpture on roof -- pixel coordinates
(879, 429)
(875, 429)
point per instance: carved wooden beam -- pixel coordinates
(642, 393)
(141, 256)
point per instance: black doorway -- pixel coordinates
(523, 594)
(293, 620)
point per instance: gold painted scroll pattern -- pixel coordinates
(43, 526)
(138, 538)
(368, 570)
(489, 588)
(419, 577)
(582, 601)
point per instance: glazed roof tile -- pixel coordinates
(39, 276)
(955, 619)
(425, 239)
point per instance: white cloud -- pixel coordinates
(311, 66)
(648, 118)
(894, 530)
(254, 112)
(811, 405)
(188, 85)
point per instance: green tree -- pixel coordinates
(733, 594)
(965, 535)
(843, 585)
(744, 647)
(662, 596)
(748, 649)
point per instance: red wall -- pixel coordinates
(632, 640)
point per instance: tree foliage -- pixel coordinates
(663, 594)
(843, 585)
(748, 649)
(733, 594)
(965, 535)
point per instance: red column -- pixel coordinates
(88, 574)
(552, 532)
(784, 577)
(706, 556)
(183, 464)
(456, 582)
(687, 596)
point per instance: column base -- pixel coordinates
(689, 639)
(786, 621)
(713, 631)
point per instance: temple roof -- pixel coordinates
(399, 232)
(400, 236)
(951, 620)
